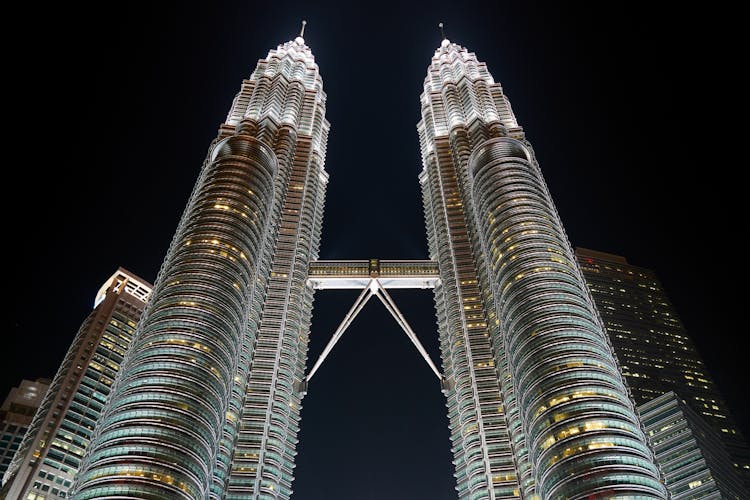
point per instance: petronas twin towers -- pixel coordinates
(207, 402)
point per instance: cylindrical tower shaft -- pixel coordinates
(581, 428)
(158, 437)
(513, 302)
(206, 404)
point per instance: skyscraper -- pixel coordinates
(207, 401)
(284, 103)
(16, 413)
(51, 451)
(655, 351)
(538, 406)
(689, 452)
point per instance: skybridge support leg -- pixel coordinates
(348, 319)
(374, 287)
(389, 304)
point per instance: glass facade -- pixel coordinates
(61, 430)
(689, 452)
(536, 403)
(206, 404)
(655, 352)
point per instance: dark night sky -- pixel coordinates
(629, 110)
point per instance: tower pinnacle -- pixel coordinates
(445, 42)
(299, 40)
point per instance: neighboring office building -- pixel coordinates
(51, 452)
(689, 452)
(15, 416)
(655, 352)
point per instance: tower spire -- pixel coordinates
(442, 33)
(302, 30)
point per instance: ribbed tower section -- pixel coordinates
(285, 97)
(460, 99)
(536, 403)
(178, 410)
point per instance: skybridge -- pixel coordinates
(356, 274)
(373, 277)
